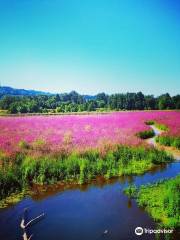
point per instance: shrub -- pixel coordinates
(146, 134)
(150, 122)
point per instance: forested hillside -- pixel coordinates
(74, 102)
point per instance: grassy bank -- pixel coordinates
(169, 141)
(161, 200)
(77, 167)
(165, 140)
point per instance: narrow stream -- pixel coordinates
(84, 213)
(157, 132)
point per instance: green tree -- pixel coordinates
(165, 102)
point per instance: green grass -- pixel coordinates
(131, 191)
(3, 112)
(161, 200)
(77, 167)
(169, 141)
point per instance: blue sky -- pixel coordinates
(91, 45)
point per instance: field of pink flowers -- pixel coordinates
(82, 131)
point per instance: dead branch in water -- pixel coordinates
(25, 237)
(24, 226)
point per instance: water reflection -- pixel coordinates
(129, 203)
(76, 212)
(39, 192)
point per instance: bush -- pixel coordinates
(146, 134)
(150, 122)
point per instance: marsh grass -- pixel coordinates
(161, 200)
(169, 141)
(77, 167)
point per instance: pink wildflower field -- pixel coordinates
(82, 131)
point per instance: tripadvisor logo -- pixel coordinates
(139, 231)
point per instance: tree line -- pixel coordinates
(74, 102)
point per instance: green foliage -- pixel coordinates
(150, 122)
(176, 101)
(161, 126)
(146, 134)
(176, 142)
(74, 102)
(42, 170)
(72, 166)
(162, 201)
(9, 181)
(83, 170)
(169, 141)
(24, 145)
(77, 167)
(157, 157)
(165, 102)
(131, 191)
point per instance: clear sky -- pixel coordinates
(91, 45)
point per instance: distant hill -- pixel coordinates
(9, 91)
(5, 90)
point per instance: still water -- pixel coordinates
(85, 213)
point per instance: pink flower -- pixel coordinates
(82, 131)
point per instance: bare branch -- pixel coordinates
(34, 219)
(24, 226)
